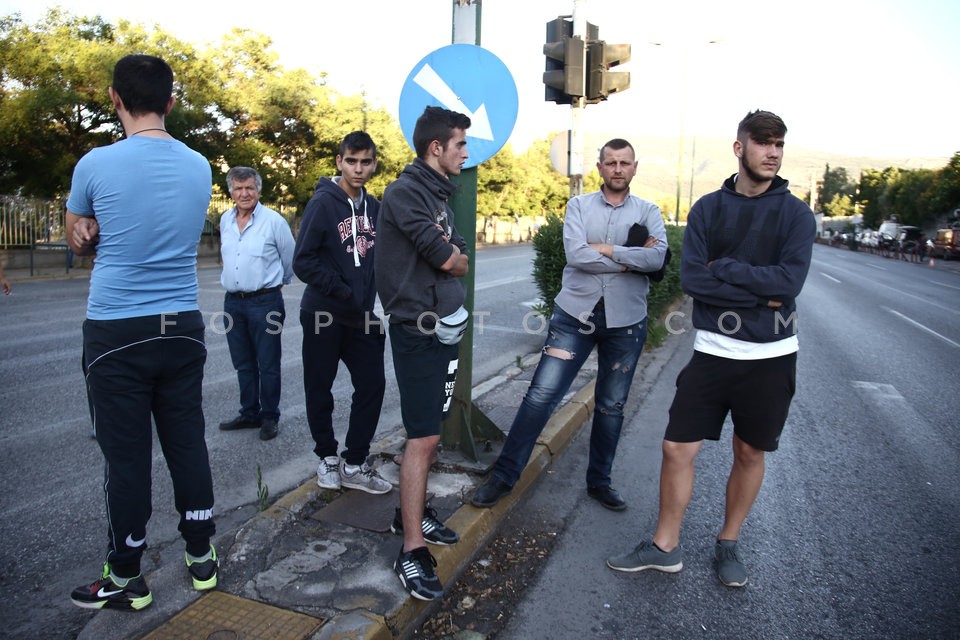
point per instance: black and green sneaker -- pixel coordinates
(204, 570)
(109, 593)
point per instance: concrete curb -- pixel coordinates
(475, 526)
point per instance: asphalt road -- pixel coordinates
(52, 529)
(854, 534)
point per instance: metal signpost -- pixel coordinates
(466, 78)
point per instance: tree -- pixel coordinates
(498, 191)
(234, 105)
(945, 193)
(869, 195)
(53, 103)
(54, 106)
(909, 196)
(840, 205)
(834, 186)
(541, 188)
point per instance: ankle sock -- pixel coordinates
(207, 556)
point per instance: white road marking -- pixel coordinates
(924, 328)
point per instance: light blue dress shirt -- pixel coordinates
(260, 256)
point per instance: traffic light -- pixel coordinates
(563, 77)
(601, 82)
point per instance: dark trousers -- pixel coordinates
(253, 327)
(325, 344)
(138, 368)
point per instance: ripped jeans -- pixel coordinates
(568, 344)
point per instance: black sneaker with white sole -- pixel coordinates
(107, 593)
(415, 570)
(434, 531)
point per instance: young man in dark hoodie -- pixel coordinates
(334, 257)
(746, 253)
(419, 262)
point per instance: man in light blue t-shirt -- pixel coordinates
(139, 205)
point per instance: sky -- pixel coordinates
(873, 78)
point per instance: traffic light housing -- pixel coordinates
(563, 77)
(600, 81)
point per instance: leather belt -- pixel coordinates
(252, 294)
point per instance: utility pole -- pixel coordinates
(466, 423)
(578, 73)
(575, 165)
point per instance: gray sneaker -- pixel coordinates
(647, 555)
(363, 478)
(729, 568)
(328, 474)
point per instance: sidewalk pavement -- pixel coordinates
(318, 564)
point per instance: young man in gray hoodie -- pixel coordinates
(419, 262)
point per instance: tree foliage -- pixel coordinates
(917, 197)
(839, 205)
(833, 188)
(235, 105)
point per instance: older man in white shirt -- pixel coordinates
(257, 251)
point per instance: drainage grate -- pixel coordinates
(221, 616)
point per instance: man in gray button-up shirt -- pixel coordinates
(602, 303)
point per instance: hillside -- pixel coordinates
(657, 171)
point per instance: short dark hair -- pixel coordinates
(144, 84)
(761, 126)
(616, 145)
(436, 123)
(357, 141)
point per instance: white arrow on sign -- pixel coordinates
(433, 84)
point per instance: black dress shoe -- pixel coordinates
(269, 429)
(608, 497)
(490, 492)
(240, 423)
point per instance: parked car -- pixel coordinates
(887, 235)
(868, 239)
(946, 244)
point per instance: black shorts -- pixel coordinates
(426, 371)
(756, 393)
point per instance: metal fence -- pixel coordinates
(25, 222)
(28, 222)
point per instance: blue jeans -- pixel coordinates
(618, 351)
(255, 349)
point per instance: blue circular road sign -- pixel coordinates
(468, 79)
